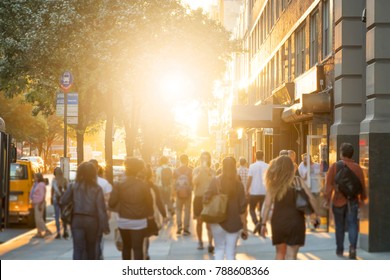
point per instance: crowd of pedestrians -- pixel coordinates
(145, 199)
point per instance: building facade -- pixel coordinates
(286, 75)
(313, 76)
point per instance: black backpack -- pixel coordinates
(347, 182)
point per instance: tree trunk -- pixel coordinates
(131, 129)
(130, 139)
(108, 143)
(80, 145)
(148, 143)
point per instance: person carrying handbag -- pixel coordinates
(287, 222)
(227, 232)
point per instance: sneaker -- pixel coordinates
(186, 233)
(66, 235)
(48, 233)
(58, 236)
(200, 246)
(210, 249)
(178, 232)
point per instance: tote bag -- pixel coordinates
(214, 211)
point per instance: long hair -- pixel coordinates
(208, 155)
(279, 176)
(86, 174)
(59, 176)
(229, 177)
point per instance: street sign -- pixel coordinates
(73, 105)
(72, 120)
(66, 80)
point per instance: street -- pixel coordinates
(15, 230)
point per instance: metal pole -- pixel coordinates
(65, 124)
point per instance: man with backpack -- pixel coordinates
(346, 187)
(183, 190)
(164, 180)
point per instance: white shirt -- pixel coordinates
(315, 176)
(132, 224)
(105, 185)
(257, 172)
(158, 174)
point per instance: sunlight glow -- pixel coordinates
(188, 115)
(240, 132)
(195, 4)
(173, 83)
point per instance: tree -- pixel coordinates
(117, 50)
(20, 123)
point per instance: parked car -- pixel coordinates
(21, 182)
(37, 162)
(118, 168)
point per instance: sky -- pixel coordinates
(198, 3)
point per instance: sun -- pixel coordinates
(173, 83)
(188, 114)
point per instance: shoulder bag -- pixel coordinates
(214, 211)
(302, 202)
(67, 209)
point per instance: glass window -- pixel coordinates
(284, 4)
(326, 36)
(272, 13)
(283, 63)
(314, 38)
(18, 172)
(289, 61)
(300, 51)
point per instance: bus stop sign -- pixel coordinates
(66, 80)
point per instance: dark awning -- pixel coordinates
(314, 103)
(256, 116)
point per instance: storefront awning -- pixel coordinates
(256, 116)
(315, 103)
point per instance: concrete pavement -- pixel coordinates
(169, 246)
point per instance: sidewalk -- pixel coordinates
(169, 246)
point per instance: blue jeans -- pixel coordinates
(57, 213)
(346, 215)
(85, 237)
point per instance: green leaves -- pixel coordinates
(116, 49)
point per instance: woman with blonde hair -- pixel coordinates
(287, 222)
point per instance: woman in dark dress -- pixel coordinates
(288, 223)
